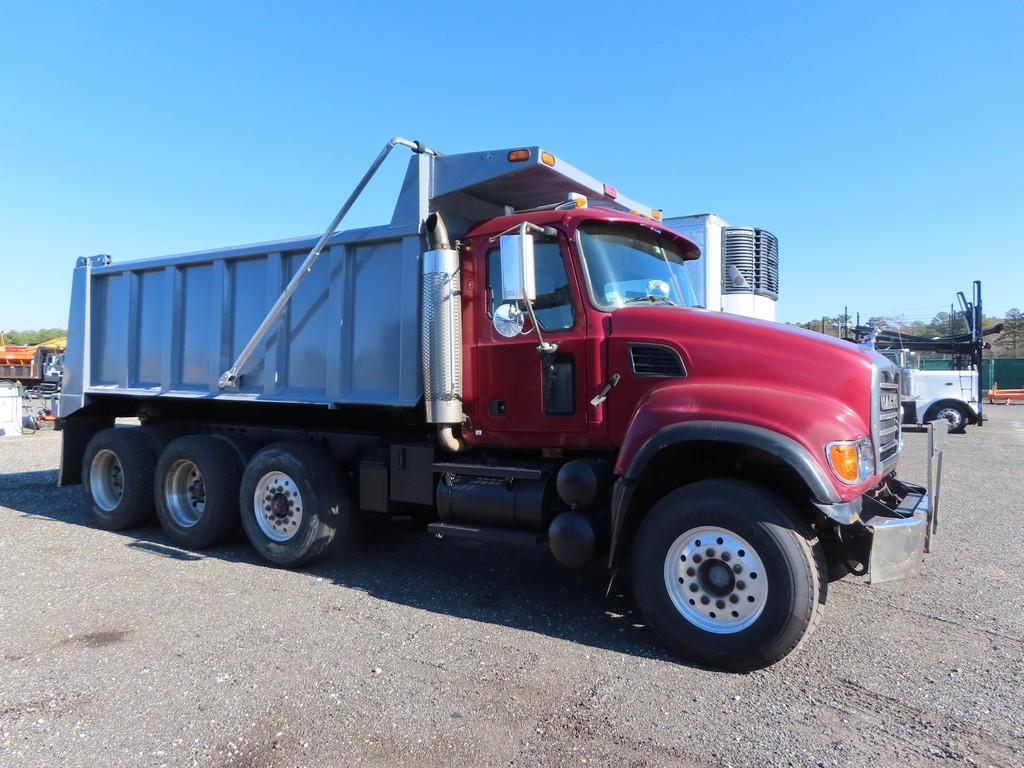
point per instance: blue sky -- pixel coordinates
(881, 142)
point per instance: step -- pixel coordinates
(486, 533)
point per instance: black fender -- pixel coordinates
(823, 493)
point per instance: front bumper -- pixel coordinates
(899, 540)
(901, 518)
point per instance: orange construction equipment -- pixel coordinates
(996, 395)
(32, 364)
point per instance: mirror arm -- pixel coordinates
(523, 229)
(544, 347)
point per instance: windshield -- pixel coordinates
(630, 265)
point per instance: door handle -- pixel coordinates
(601, 396)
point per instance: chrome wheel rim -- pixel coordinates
(106, 480)
(716, 580)
(277, 504)
(952, 415)
(184, 493)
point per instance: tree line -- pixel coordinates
(31, 337)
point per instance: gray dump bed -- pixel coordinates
(169, 327)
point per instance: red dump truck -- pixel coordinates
(515, 357)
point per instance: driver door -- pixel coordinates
(521, 389)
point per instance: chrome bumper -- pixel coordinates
(898, 543)
(900, 537)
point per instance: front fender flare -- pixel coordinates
(823, 494)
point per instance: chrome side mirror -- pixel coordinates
(509, 320)
(518, 277)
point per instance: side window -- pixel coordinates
(553, 307)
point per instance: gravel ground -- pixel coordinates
(120, 650)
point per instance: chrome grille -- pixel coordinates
(889, 416)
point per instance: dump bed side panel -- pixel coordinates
(169, 327)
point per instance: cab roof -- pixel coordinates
(574, 217)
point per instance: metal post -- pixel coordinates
(231, 375)
(977, 345)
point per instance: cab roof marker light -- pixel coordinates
(518, 155)
(547, 158)
(656, 214)
(572, 200)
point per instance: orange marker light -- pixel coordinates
(518, 155)
(547, 158)
(656, 214)
(843, 458)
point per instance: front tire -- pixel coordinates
(294, 502)
(726, 576)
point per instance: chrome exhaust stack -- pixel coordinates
(441, 333)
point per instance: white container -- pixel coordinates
(10, 409)
(737, 270)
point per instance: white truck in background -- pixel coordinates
(930, 395)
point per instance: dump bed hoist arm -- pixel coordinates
(231, 376)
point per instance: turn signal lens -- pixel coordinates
(852, 461)
(547, 158)
(843, 458)
(581, 202)
(518, 155)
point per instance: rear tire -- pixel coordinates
(196, 491)
(294, 502)
(726, 576)
(956, 416)
(117, 477)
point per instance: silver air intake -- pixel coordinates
(441, 327)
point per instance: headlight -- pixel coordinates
(852, 461)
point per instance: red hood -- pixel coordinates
(804, 385)
(722, 344)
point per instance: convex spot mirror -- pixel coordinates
(518, 278)
(508, 320)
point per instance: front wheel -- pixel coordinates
(726, 576)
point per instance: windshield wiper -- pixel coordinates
(649, 300)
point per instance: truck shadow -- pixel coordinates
(397, 561)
